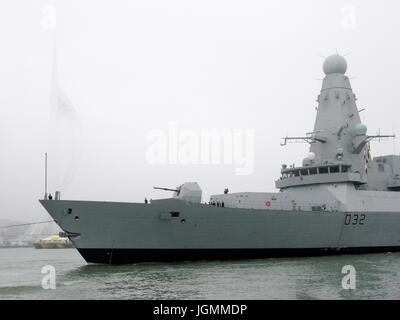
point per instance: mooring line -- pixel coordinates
(25, 224)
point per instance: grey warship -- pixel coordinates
(338, 201)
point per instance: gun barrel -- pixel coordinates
(166, 189)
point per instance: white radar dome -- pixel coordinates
(335, 64)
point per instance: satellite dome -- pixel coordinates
(311, 156)
(309, 160)
(360, 129)
(335, 64)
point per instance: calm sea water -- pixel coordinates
(377, 277)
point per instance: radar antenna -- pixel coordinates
(311, 137)
(380, 137)
(367, 139)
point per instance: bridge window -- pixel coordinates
(323, 170)
(313, 171)
(334, 169)
(345, 169)
(304, 172)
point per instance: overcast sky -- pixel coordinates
(133, 68)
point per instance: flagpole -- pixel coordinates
(45, 176)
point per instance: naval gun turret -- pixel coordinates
(189, 191)
(339, 143)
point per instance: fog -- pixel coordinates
(128, 69)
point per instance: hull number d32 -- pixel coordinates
(354, 219)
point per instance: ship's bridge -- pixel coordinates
(339, 143)
(318, 174)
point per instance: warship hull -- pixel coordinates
(176, 230)
(339, 200)
(129, 256)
